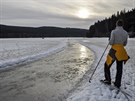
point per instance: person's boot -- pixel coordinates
(106, 82)
(116, 85)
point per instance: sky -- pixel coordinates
(60, 13)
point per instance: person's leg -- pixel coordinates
(107, 72)
(118, 73)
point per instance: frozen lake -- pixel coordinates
(58, 69)
(47, 77)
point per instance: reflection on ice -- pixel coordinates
(77, 60)
(86, 59)
(83, 52)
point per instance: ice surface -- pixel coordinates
(64, 73)
(47, 79)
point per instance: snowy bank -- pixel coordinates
(19, 51)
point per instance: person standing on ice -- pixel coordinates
(117, 53)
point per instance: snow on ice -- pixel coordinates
(18, 51)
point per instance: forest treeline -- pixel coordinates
(33, 32)
(104, 27)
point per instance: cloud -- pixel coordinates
(58, 12)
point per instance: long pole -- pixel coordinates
(98, 63)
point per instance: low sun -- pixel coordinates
(83, 13)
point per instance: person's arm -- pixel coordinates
(125, 42)
(111, 38)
